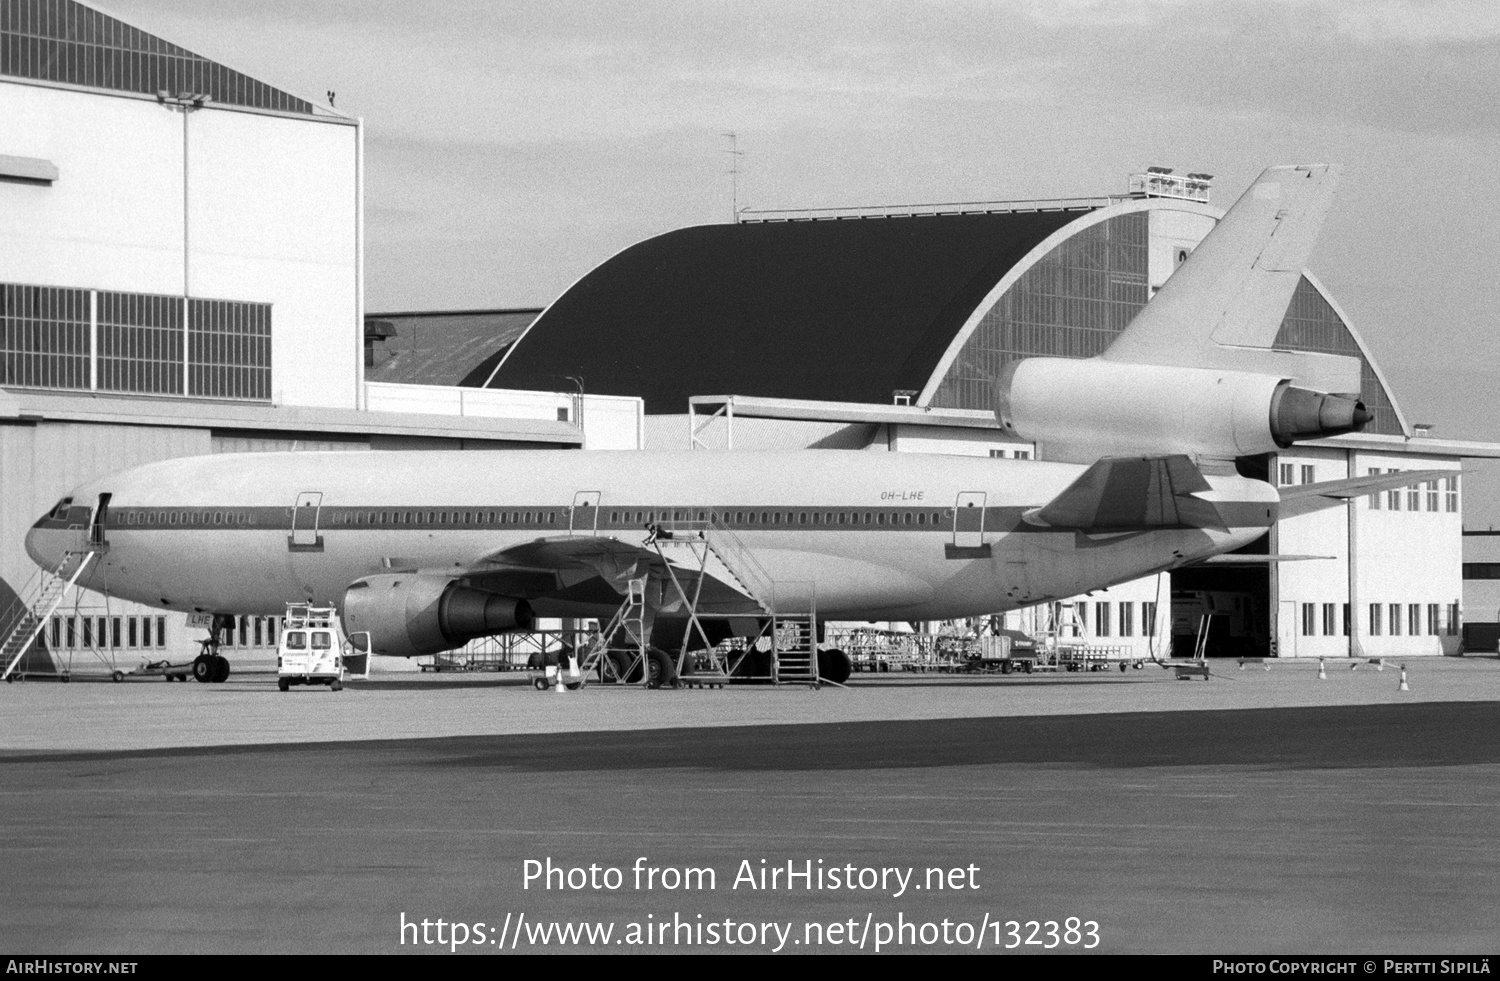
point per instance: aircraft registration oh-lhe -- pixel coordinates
(428, 550)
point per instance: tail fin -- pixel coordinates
(1223, 308)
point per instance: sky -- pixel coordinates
(513, 146)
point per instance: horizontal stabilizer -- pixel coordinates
(1224, 307)
(1129, 493)
(1306, 498)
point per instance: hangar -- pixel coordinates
(882, 328)
(182, 272)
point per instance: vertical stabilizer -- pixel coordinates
(1233, 291)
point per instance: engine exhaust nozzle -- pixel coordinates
(1298, 414)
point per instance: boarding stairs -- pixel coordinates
(693, 551)
(626, 635)
(26, 617)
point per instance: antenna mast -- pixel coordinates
(735, 153)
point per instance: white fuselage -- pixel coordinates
(871, 535)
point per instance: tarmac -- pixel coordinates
(1257, 812)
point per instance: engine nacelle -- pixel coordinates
(1084, 409)
(409, 615)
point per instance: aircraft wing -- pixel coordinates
(1306, 498)
(1131, 494)
(577, 564)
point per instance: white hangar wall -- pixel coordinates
(222, 203)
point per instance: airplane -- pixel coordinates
(427, 550)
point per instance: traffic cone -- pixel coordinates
(1322, 675)
(1404, 685)
(1354, 666)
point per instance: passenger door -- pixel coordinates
(305, 513)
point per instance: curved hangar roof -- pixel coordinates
(847, 311)
(858, 309)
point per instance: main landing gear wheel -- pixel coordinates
(660, 671)
(203, 668)
(620, 662)
(221, 668)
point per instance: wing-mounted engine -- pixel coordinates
(412, 614)
(1084, 409)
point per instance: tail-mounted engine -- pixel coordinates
(409, 614)
(1084, 409)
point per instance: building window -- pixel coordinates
(1287, 472)
(1148, 619)
(1023, 454)
(44, 337)
(1395, 619)
(1082, 626)
(1433, 619)
(1375, 497)
(56, 632)
(1375, 609)
(1481, 570)
(1414, 620)
(136, 342)
(1127, 619)
(1309, 620)
(63, 41)
(161, 631)
(140, 343)
(1307, 474)
(1450, 493)
(1393, 496)
(1329, 615)
(145, 631)
(133, 631)
(1432, 495)
(116, 637)
(1346, 619)
(1453, 620)
(1414, 497)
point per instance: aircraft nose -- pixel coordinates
(41, 545)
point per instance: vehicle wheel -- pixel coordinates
(574, 685)
(659, 668)
(118, 676)
(834, 666)
(336, 685)
(221, 668)
(283, 684)
(203, 668)
(540, 684)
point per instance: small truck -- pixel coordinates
(309, 652)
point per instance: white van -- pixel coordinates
(309, 652)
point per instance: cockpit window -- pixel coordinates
(60, 512)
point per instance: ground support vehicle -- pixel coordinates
(158, 669)
(309, 652)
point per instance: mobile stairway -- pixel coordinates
(23, 621)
